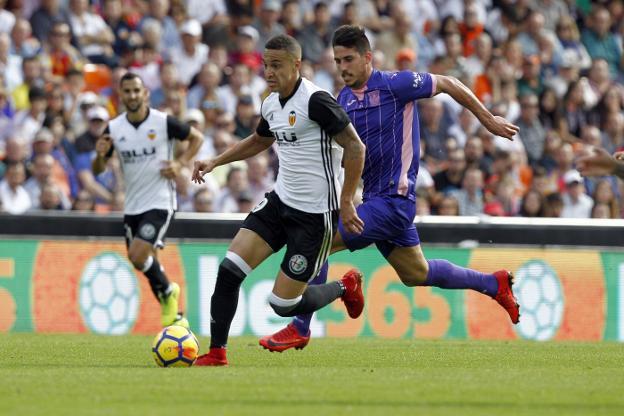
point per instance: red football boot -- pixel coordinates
(505, 296)
(215, 357)
(284, 339)
(353, 297)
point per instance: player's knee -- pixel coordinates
(283, 307)
(140, 261)
(232, 271)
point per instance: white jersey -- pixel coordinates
(309, 176)
(142, 148)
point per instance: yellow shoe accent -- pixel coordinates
(169, 306)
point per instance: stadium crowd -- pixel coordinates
(553, 67)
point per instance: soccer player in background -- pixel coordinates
(143, 139)
(382, 107)
(312, 131)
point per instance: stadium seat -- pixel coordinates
(97, 77)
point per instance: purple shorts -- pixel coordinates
(388, 222)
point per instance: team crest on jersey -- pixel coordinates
(297, 264)
(151, 134)
(373, 98)
(147, 231)
(292, 118)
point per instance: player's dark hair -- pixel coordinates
(129, 76)
(351, 36)
(284, 43)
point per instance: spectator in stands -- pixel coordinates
(13, 197)
(125, 34)
(576, 203)
(44, 18)
(83, 202)
(434, 129)
(28, 122)
(316, 36)
(532, 131)
(470, 196)
(169, 80)
(51, 198)
(574, 108)
(22, 42)
(448, 206)
(9, 63)
(570, 39)
(532, 204)
(603, 195)
(93, 35)
(246, 51)
(192, 54)
(291, 18)
(613, 132)
(267, 23)
(41, 176)
(259, 176)
(97, 117)
(236, 183)
(450, 178)
(599, 40)
(63, 151)
(240, 83)
(208, 81)
(32, 77)
(246, 118)
(203, 201)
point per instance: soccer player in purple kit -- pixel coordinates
(382, 107)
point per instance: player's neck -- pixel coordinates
(360, 85)
(289, 90)
(139, 115)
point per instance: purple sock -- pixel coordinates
(446, 275)
(302, 322)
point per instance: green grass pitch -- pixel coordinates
(93, 375)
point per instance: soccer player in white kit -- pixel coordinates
(311, 131)
(143, 139)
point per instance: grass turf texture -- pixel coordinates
(93, 375)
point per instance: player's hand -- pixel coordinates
(598, 163)
(350, 220)
(170, 169)
(201, 168)
(103, 145)
(499, 126)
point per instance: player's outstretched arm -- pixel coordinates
(353, 160)
(244, 149)
(601, 163)
(462, 94)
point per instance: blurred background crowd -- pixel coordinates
(554, 67)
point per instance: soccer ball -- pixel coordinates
(541, 300)
(175, 346)
(108, 295)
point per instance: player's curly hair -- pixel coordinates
(351, 36)
(285, 43)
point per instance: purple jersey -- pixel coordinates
(385, 116)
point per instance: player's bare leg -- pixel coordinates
(143, 257)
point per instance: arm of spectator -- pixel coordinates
(601, 163)
(88, 182)
(461, 93)
(103, 152)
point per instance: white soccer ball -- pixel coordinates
(109, 295)
(540, 296)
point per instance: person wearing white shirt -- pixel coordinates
(576, 203)
(193, 54)
(13, 197)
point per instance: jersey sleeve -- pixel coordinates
(177, 129)
(263, 128)
(410, 86)
(324, 109)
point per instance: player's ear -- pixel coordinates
(368, 55)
